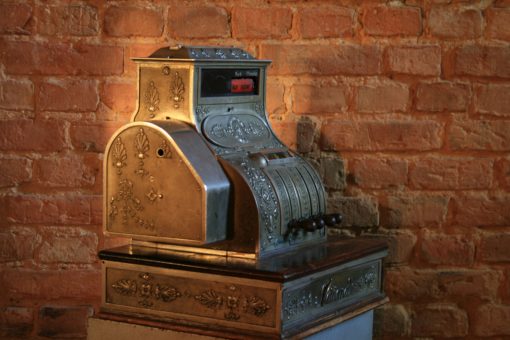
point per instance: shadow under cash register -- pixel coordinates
(228, 226)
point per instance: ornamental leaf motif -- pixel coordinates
(177, 89)
(152, 97)
(255, 305)
(210, 299)
(166, 293)
(141, 144)
(125, 287)
(119, 155)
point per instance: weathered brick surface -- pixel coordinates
(256, 23)
(198, 22)
(328, 22)
(309, 99)
(455, 23)
(401, 106)
(15, 18)
(133, 21)
(73, 19)
(437, 97)
(390, 21)
(414, 60)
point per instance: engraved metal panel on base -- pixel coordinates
(205, 298)
(330, 292)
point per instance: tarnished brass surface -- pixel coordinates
(235, 302)
(162, 183)
(257, 300)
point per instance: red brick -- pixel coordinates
(451, 173)
(433, 285)
(392, 320)
(377, 172)
(493, 99)
(127, 21)
(390, 21)
(356, 211)
(255, 23)
(68, 95)
(502, 171)
(73, 19)
(438, 97)
(380, 135)
(332, 172)
(492, 320)
(198, 22)
(456, 23)
(497, 23)
(16, 322)
(14, 171)
(120, 97)
(63, 322)
(18, 243)
(67, 245)
(275, 103)
(494, 247)
(53, 210)
(322, 60)
(414, 210)
(329, 22)
(414, 60)
(501, 3)
(33, 285)
(306, 130)
(92, 137)
(441, 249)
(44, 135)
(479, 135)
(391, 97)
(21, 57)
(440, 319)
(401, 244)
(482, 61)
(480, 210)
(319, 99)
(15, 18)
(286, 131)
(68, 170)
(16, 95)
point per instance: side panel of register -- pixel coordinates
(164, 185)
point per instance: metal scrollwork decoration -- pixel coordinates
(146, 289)
(142, 147)
(152, 98)
(233, 304)
(243, 132)
(119, 155)
(177, 90)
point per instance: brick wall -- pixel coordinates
(403, 105)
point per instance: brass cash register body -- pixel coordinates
(229, 226)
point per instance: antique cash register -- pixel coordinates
(228, 226)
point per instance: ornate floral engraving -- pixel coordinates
(142, 147)
(152, 98)
(242, 131)
(266, 200)
(125, 287)
(177, 90)
(119, 155)
(130, 206)
(333, 289)
(221, 53)
(146, 289)
(259, 108)
(201, 111)
(153, 194)
(332, 293)
(233, 304)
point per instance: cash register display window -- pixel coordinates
(229, 82)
